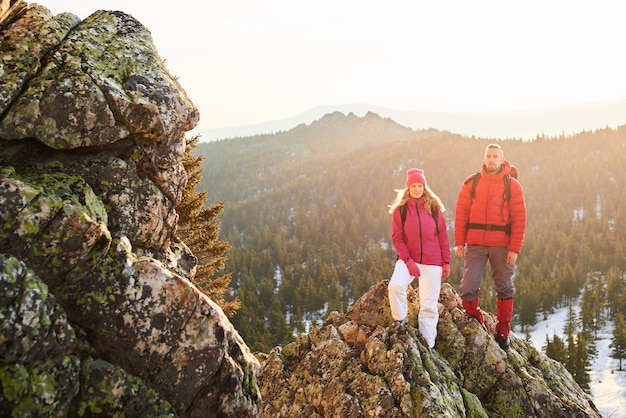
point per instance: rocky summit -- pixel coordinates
(363, 364)
(98, 315)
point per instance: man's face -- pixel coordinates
(493, 160)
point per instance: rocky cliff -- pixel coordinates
(362, 364)
(98, 315)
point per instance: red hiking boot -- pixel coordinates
(503, 327)
(472, 309)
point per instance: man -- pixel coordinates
(490, 220)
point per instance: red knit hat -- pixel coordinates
(415, 175)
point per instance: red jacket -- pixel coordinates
(489, 208)
(419, 239)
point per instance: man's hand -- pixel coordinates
(460, 251)
(511, 258)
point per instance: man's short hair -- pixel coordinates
(495, 146)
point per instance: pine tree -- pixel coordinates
(577, 357)
(555, 349)
(250, 320)
(198, 228)
(296, 322)
(588, 307)
(280, 332)
(571, 328)
(581, 364)
(619, 339)
(572, 322)
(615, 289)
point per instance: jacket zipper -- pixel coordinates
(419, 219)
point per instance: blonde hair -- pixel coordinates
(431, 200)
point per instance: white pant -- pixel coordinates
(429, 288)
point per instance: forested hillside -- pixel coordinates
(306, 215)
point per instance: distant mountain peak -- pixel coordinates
(522, 124)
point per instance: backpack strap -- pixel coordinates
(507, 187)
(475, 177)
(434, 214)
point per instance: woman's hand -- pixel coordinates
(414, 270)
(446, 271)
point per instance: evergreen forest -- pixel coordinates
(306, 216)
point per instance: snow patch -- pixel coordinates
(608, 384)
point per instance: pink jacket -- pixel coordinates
(419, 239)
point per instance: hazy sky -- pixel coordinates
(248, 61)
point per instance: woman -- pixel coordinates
(420, 237)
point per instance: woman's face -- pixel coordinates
(416, 190)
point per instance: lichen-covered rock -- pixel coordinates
(24, 43)
(149, 320)
(33, 328)
(101, 83)
(109, 390)
(136, 313)
(97, 311)
(44, 368)
(53, 219)
(362, 364)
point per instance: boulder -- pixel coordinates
(98, 315)
(363, 364)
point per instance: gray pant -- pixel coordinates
(476, 258)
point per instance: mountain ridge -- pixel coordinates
(521, 124)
